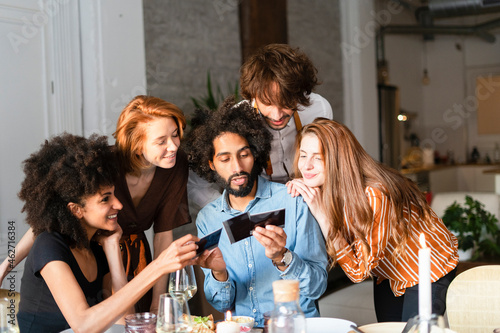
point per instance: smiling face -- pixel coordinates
(162, 142)
(100, 211)
(233, 162)
(311, 163)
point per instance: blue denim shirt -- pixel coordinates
(248, 290)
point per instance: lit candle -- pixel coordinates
(228, 326)
(424, 283)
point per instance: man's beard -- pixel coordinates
(243, 190)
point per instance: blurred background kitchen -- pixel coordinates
(416, 81)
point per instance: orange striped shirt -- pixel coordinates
(403, 272)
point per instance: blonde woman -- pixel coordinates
(371, 217)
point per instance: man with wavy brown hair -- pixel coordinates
(278, 80)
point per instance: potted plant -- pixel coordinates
(476, 229)
(212, 99)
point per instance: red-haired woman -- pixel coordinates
(151, 186)
(152, 183)
(371, 218)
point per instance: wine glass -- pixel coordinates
(184, 281)
(173, 314)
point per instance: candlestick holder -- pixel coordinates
(419, 324)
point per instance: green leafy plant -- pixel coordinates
(474, 227)
(212, 99)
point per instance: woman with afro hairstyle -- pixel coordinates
(151, 185)
(371, 217)
(74, 275)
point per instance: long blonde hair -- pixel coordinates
(348, 171)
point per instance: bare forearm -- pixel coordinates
(72, 301)
(161, 241)
(115, 263)
(118, 305)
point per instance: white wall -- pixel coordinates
(359, 72)
(41, 97)
(113, 60)
(446, 117)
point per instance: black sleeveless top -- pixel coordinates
(38, 311)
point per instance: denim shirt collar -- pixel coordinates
(263, 191)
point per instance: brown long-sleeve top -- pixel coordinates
(403, 272)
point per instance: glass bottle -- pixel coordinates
(474, 156)
(287, 316)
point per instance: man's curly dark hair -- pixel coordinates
(67, 168)
(234, 118)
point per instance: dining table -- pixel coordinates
(317, 325)
(116, 328)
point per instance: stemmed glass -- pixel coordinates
(183, 281)
(173, 314)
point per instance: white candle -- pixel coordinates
(424, 283)
(228, 326)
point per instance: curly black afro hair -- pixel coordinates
(234, 118)
(67, 168)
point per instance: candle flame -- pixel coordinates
(422, 241)
(229, 317)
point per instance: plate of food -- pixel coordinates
(203, 324)
(328, 325)
(206, 324)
